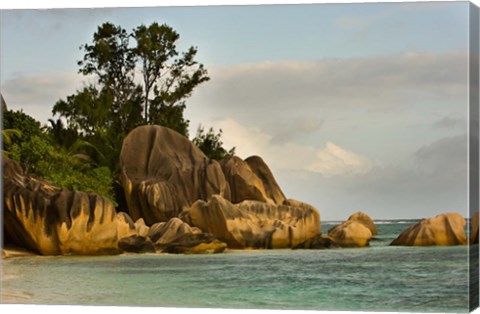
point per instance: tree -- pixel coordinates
(172, 79)
(211, 144)
(61, 135)
(105, 111)
(109, 58)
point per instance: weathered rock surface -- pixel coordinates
(318, 242)
(164, 233)
(474, 228)
(272, 189)
(351, 234)
(444, 229)
(136, 244)
(45, 219)
(141, 227)
(251, 180)
(125, 225)
(163, 172)
(357, 231)
(195, 244)
(254, 224)
(365, 220)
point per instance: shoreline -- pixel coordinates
(11, 252)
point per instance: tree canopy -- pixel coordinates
(80, 148)
(116, 102)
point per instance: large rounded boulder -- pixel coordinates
(365, 220)
(254, 224)
(162, 172)
(444, 229)
(357, 231)
(48, 220)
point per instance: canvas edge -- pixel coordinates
(473, 148)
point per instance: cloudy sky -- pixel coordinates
(353, 106)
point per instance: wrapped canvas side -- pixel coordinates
(474, 153)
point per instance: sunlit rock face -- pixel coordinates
(176, 236)
(365, 220)
(357, 231)
(197, 243)
(444, 229)
(49, 220)
(474, 228)
(254, 224)
(162, 172)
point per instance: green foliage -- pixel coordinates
(211, 144)
(61, 135)
(18, 120)
(42, 157)
(169, 116)
(8, 136)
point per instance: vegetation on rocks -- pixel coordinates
(80, 147)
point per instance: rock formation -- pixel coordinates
(254, 224)
(251, 180)
(163, 233)
(365, 220)
(48, 220)
(270, 185)
(444, 229)
(474, 228)
(165, 176)
(357, 231)
(142, 229)
(318, 242)
(136, 244)
(202, 243)
(163, 172)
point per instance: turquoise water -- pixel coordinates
(378, 278)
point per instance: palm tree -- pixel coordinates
(9, 134)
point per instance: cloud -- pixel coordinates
(295, 128)
(445, 158)
(330, 160)
(277, 96)
(390, 81)
(253, 141)
(36, 95)
(430, 181)
(450, 123)
(333, 160)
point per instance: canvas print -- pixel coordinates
(313, 157)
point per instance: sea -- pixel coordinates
(377, 278)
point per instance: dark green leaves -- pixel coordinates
(211, 144)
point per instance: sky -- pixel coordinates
(353, 106)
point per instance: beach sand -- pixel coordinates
(9, 252)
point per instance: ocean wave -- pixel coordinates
(377, 222)
(390, 222)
